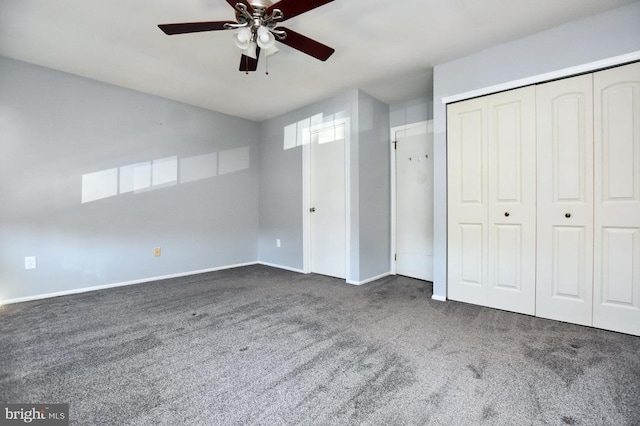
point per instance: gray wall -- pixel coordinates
(281, 186)
(412, 111)
(374, 183)
(70, 147)
(576, 43)
(63, 136)
(280, 197)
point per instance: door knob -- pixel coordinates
(567, 215)
(506, 214)
(312, 209)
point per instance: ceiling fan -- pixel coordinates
(257, 28)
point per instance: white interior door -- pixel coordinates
(467, 196)
(328, 201)
(414, 202)
(512, 200)
(565, 200)
(616, 304)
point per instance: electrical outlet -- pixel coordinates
(30, 262)
(278, 242)
(157, 252)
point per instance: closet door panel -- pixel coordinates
(467, 201)
(616, 304)
(564, 114)
(512, 200)
(569, 264)
(471, 255)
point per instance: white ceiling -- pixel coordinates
(387, 48)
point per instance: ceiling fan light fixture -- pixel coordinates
(242, 38)
(265, 38)
(271, 51)
(250, 51)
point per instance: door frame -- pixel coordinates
(394, 213)
(306, 192)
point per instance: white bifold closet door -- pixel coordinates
(491, 200)
(564, 114)
(467, 203)
(616, 289)
(544, 200)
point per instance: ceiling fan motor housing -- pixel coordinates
(260, 4)
(258, 16)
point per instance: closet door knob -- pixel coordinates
(567, 215)
(507, 214)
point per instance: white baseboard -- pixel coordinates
(368, 280)
(178, 275)
(122, 284)
(439, 298)
(286, 268)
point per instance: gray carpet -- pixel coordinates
(257, 345)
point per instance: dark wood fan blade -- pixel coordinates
(245, 2)
(249, 64)
(306, 45)
(291, 8)
(193, 27)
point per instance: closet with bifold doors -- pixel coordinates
(544, 200)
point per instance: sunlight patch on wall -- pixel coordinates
(290, 136)
(325, 129)
(297, 134)
(164, 172)
(198, 167)
(135, 177)
(233, 160)
(161, 173)
(149, 174)
(331, 133)
(99, 185)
